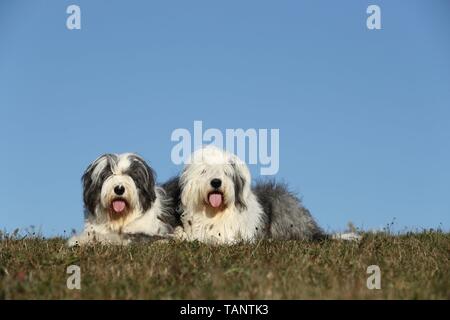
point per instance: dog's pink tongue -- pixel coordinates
(118, 206)
(215, 200)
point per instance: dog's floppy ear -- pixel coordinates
(241, 186)
(144, 178)
(92, 179)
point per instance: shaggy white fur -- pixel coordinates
(217, 201)
(120, 198)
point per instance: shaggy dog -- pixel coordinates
(121, 201)
(218, 205)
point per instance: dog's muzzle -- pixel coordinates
(215, 198)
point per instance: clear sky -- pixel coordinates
(364, 116)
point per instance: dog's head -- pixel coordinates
(214, 179)
(114, 186)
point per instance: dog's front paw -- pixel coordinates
(130, 229)
(349, 236)
(179, 233)
(73, 242)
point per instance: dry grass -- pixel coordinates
(413, 266)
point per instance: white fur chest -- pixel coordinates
(227, 227)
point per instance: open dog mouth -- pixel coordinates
(119, 206)
(215, 199)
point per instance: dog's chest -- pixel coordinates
(226, 227)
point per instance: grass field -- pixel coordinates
(413, 266)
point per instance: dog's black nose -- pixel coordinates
(216, 183)
(119, 190)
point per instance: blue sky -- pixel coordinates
(363, 115)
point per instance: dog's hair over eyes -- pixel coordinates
(104, 167)
(226, 166)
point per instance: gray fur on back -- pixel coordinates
(172, 192)
(285, 216)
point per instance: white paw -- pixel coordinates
(179, 233)
(349, 236)
(73, 241)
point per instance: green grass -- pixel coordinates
(413, 266)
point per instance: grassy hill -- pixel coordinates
(413, 266)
